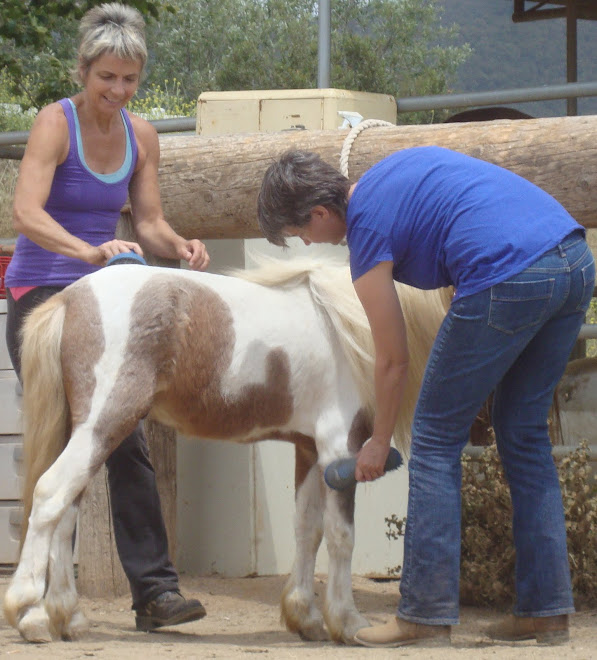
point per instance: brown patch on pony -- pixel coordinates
(196, 398)
(157, 313)
(81, 348)
(180, 347)
(305, 457)
(360, 431)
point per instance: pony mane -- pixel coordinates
(331, 287)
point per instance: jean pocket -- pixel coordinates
(515, 306)
(588, 278)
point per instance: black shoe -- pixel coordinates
(168, 609)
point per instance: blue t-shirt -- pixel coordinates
(447, 219)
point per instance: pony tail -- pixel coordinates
(424, 312)
(45, 408)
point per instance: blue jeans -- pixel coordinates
(513, 339)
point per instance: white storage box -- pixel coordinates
(282, 109)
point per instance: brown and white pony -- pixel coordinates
(281, 352)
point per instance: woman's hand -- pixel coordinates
(100, 255)
(195, 254)
(371, 460)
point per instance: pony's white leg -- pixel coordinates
(66, 618)
(56, 489)
(341, 615)
(299, 611)
(24, 607)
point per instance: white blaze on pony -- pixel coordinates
(287, 356)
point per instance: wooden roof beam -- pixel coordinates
(584, 10)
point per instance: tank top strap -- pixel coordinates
(67, 108)
(130, 136)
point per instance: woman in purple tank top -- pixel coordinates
(84, 156)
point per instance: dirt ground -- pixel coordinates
(243, 622)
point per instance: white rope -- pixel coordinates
(352, 136)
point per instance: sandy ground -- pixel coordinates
(243, 622)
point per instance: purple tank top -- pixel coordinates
(85, 203)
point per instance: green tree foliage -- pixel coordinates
(396, 47)
(37, 40)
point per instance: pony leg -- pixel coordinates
(66, 618)
(299, 612)
(56, 490)
(24, 607)
(341, 615)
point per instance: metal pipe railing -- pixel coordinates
(413, 104)
(499, 97)
(588, 331)
(174, 125)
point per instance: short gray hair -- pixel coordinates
(111, 28)
(292, 186)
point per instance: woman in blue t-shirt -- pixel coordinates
(523, 278)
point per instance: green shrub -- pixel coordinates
(8, 177)
(487, 552)
(592, 318)
(162, 101)
(579, 490)
(12, 117)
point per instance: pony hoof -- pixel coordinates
(77, 628)
(354, 624)
(344, 634)
(34, 626)
(314, 633)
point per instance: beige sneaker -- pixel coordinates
(398, 632)
(546, 630)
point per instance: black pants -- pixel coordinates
(139, 528)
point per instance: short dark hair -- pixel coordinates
(292, 186)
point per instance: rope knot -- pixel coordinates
(352, 136)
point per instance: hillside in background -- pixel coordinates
(509, 55)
